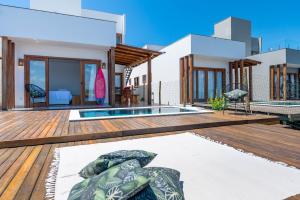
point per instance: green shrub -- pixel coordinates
(218, 103)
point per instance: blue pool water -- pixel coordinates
(133, 112)
(279, 103)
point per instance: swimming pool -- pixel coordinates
(279, 103)
(112, 113)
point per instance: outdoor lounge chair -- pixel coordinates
(236, 93)
(35, 92)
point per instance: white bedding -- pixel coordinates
(61, 97)
(209, 170)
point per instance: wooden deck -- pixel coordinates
(23, 170)
(23, 128)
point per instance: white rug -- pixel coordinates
(209, 170)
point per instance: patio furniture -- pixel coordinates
(236, 93)
(128, 96)
(35, 92)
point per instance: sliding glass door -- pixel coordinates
(118, 87)
(211, 84)
(208, 83)
(88, 77)
(36, 73)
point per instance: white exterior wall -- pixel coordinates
(293, 57)
(235, 29)
(71, 7)
(200, 61)
(119, 68)
(208, 52)
(261, 73)
(139, 72)
(56, 27)
(120, 20)
(153, 47)
(216, 47)
(166, 68)
(31, 48)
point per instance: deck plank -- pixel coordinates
(25, 178)
(48, 127)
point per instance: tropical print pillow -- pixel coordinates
(106, 161)
(235, 94)
(164, 185)
(117, 183)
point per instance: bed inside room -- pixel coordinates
(64, 82)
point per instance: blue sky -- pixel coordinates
(165, 21)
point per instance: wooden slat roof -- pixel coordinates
(133, 56)
(248, 62)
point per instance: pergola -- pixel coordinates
(275, 73)
(239, 65)
(129, 57)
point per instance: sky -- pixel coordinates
(165, 21)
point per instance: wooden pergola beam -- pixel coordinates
(241, 73)
(149, 84)
(4, 71)
(278, 82)
(125, 60)
(230, 75)
(272, 82)
(130, 53)
(111, 76)
(284, 82)
(236, 73)
(137, 49)
(181, 61)
(250, 84)
(185, 81)
(132, 56)
(191, 66)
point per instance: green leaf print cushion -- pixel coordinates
(164, 185)
(106, 161)
(117, 183)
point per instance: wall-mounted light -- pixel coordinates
(103, 65)
(21, 62)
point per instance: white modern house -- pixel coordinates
(282, 65)
(197, 68)
(58, 46)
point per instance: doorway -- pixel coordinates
(118, 87)
(66, 81)
(208, 83)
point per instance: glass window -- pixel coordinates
(195, 84)
(275, 84)
(207, 83)
(144, 78)
(118, 84)
(219, 84)
(37, 75)
(211, 84)
(119, 38)
(90, 71)
(201, 85)
(136, 82)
